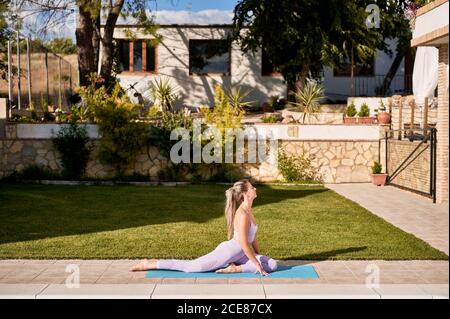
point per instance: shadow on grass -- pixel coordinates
(31, 212)
(327, 255)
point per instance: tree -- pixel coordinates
(4, 36)
(91, 12)
(62, 46)
(304, 36)
(88, 33)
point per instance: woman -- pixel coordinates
(237, 252)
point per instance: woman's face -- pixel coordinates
(251, 192)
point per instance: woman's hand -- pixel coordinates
(260, 269)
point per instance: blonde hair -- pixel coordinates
(234, 197)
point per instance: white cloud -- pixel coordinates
(203, 17)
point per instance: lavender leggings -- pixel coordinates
(225, 253)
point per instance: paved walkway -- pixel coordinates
(410, 212)
(337, 279)
(221, 291)
(329, 272)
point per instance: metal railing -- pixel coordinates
(37, 78)
(423, 136)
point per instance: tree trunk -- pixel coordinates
(84, 33)
(107, 41)
(96, 43)
(301, 78)
(392, 71)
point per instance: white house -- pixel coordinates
(194, 58)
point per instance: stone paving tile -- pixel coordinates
(402, 292)
(23, 279)
(323, 291)
(436, 291)
(113, 280)
(172, 281)
(135, 291)
(101, 262)
(48, 280)
(12, 261)
(69, 261)
(207, 291)
(20, 291)
(89, 279)
(211, 281)
(291, 281)
(250, 281)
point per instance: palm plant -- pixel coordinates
(308, 99)
(236, 98)
(164, 94)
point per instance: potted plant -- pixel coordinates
(377, 177)
(350, 113)
(383, 117)
(364, 115)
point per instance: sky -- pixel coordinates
(168, 12)
(196, 5)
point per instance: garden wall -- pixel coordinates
(338, 161)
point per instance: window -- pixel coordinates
(209, 56)
(267, 68)
(360, 69)
(136, 56)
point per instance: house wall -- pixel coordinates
(442, 127)
(339, 87)
(194, 90)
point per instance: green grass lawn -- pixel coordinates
(296, 222)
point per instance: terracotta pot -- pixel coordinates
(366, 120)
(384, 117)
(349, 120)
(379, 179)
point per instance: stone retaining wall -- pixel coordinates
(337, 161)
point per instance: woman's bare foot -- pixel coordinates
(232, 268)
(145, 264)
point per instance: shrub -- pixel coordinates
(37, 172)
(297, 168)
(122, 136)
(308, 99)
(223, 115)
(376, 168)
(236, 98)
(122, 139)
(72, 143)
(164, 94)
(350, 111)
(364, 111)
(226, 172)
(382, 107)
(270, 119)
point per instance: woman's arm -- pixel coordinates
(243, 222)
(255, 245)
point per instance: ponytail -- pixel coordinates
(234, 196)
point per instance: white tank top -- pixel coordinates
(251, 233)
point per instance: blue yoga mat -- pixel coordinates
(304, 271)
